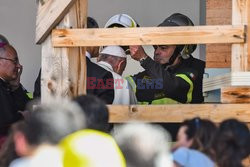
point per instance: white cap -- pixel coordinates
(114, 51)
(122, 19)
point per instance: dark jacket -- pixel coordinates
(100, 82)
(182, 83)
(10, 103)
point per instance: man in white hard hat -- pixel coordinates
(122, 21)
(114, 59)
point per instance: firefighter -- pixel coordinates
(174, 76)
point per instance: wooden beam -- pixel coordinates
(148, 36)
(230, 79)
(235, 94)
(218, 13)
(49, 14)
(64, 69)
(241, 52)
(178, 113)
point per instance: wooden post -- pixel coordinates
(63, 69)
(241, 52)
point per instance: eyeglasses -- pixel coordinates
(13, 61)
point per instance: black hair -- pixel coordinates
(96, 112)
(232, 143)
(203, 132)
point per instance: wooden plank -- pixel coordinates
(178, 112)
(241, 52)
(63, 69)
(148, 36)
(230, 79)
(218, 13)
(49, 14)
(235, 95)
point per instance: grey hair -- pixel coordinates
(144, 145)
(52, 121)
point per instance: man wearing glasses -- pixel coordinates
(13, 97)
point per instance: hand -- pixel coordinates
(16, 82)
(137, 52)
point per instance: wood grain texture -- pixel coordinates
(235, 95)
(218, 12)
(148, 36)
(178, 113)
(64, 69)
(49, 14)
(240, 52)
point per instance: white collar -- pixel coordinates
(88, 55)
(107, 65)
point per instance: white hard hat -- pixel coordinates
(121, 19)
(114, 51)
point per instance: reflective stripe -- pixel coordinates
(131, 82)
(165, 101)
(30, 95)
(190, 91)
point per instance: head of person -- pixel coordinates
(47, 124)
(95, 111)
(167, 54)
(115, 56)
(9, 62)
(144, 144)
(197, 133)
(91, 148)
(122, 21)
(232, 143)
(204, 137)
(92, 23)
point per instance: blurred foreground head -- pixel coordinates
(48, 124)
(96, 112)
(91, 148)
(144, 145)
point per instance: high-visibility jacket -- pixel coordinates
(162, 85)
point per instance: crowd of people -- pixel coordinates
(76, 132)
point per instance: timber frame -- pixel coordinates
(60, 31)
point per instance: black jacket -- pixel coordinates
(100, 82)
(10, 103)
(158, 82)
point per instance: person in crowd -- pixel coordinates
(7, 151)
(91, 148)
(114, 59)
(144, 145)
(36, 137)
(194, 146)
(95, 111)
(13, 96)
(232, 143)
